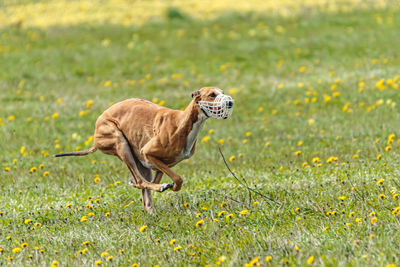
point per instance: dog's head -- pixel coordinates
(213, 102)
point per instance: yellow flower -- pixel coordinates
(221, 141)
(177, 248)
(109, 258)
(379, 156)
(200, 223)
(221, 213)
(380, 181)
(104, 254)
(84, 218)
(24, 245)
(143, 228)
(248, 134)
(97, 180)
(229, 216)
(11, 118)
(232, 158)
(85, 243)
(256, 203)
(68, 205)
(267, 144)
(310, 260)
(374, 220)
(315, 160)
(27, 221)
(382, 196)
(244, 212)
(97, 263)
(55, 115)
(172, 241)
(342, 198)
(16, 250)
(268, 258)
(205, 139)
(297, 153)
(54, 264)
(46, 173)
(7, 169)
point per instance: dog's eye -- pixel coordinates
(212, 95)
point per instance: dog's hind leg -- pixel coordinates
(147, 199)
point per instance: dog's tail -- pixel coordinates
(77, 153)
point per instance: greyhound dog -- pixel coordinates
(146, 137)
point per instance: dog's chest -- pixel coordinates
(187, 149)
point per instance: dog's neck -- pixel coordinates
(191, 123)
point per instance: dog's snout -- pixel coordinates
(229, 104)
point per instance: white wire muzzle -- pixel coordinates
(220, 108)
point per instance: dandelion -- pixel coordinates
(85, 243)
(268, 258)
(55, 115)
(221, 141)
(11, 118)
(372, 214)
(316, 160)
(244, 212)
(172, 241)
(267, 144)
(232, 158)
(27, 221)
(84, 218)
(143, 228)
(97, 180)
(46, 173)
(109, 258)
(24, 245)
(54, 264)
(16, 250)
(379, 156)
(374, 220)
(342, 198)
(229, 216)
(297, 153)
(221, 213)
(199, 223)
(380, 181)
(382, 196)
(248, 134)
(177, 248)
(205, 139)
(97, 263)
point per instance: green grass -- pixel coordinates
(250, 56)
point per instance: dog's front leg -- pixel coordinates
(165, 169)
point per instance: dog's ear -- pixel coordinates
(195, 93)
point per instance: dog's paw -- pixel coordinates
(164, 187)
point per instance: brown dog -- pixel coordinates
(146, 136)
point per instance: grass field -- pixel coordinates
(315, 132)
